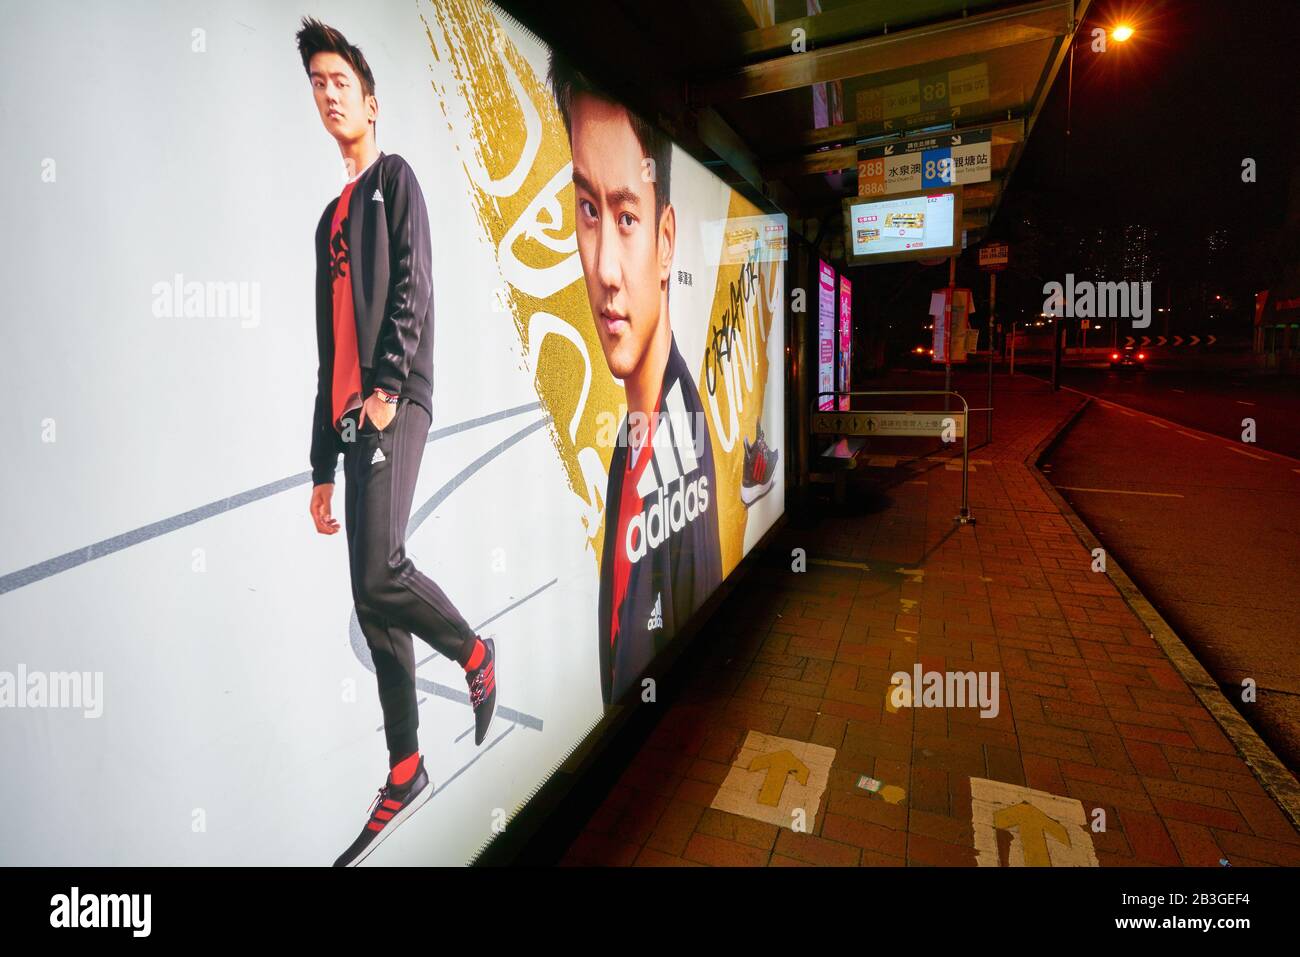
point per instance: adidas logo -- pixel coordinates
(378, 197)
(672, 501)
(378, 456)
(657, 614)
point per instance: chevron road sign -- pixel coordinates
(1129, 341)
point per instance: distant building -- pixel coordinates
(1137, 258)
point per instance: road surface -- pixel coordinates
(1208, 526)
(1216, 402)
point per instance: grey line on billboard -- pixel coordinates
(359, 648)
(423, 512)
(471, 762)
(79, 556)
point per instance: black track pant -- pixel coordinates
(393, 599)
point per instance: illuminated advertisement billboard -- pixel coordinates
(401, 443)
(844, 360)
(918, 225)
(825, 335)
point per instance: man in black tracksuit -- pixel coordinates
(661, 556)
(374, 400)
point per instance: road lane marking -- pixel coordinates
(1126, 411)
(1158, 425)
(1179, 391)
(1119, 491)
(1262, 458)
(1198, 438)
(1240, 402)
(1069, 388)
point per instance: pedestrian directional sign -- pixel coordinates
(777, 780)
(890, 423)
(1016, 826)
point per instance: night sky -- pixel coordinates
(1161, 123)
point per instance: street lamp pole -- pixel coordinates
(1058, 324)
(1119, 34)
(1069, 103)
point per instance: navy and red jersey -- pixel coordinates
(662, 556)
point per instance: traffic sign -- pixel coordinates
(924, 100)
(994, 256)
(931, 162)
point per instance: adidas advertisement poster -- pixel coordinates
(381, 458)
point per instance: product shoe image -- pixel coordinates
(760, 470)
(391, 807)
(482, 683)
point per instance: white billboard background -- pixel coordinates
(155, 487)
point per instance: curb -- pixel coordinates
(1272, 774)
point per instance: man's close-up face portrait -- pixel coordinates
(345, 108)
(626, 250)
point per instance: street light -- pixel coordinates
(1119, 34)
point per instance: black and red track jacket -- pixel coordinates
(391, 269)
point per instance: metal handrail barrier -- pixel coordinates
(964, 517)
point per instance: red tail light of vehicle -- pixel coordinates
(1142, 355)
(1114, 355)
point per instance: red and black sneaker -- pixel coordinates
(482, 683)
(391, 807)
(759, 474)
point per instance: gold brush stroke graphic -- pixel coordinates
(515, 154)
(745, 300)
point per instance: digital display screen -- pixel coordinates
(903, 227)
(825, 335)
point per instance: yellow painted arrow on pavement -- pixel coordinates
(1034, 827)
(777, 765)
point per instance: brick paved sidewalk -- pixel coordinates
(1093, 717)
